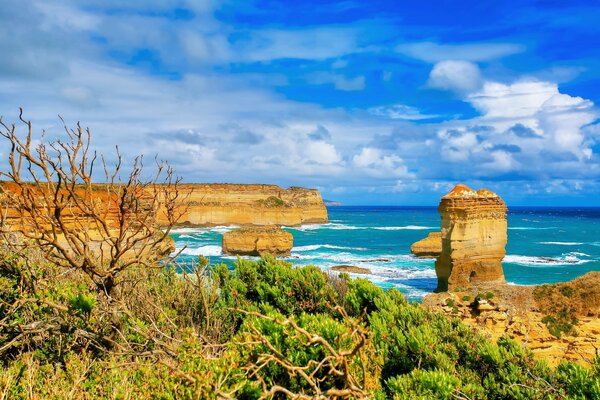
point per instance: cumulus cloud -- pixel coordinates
(375, 163)
(455, 75)
(527, 121)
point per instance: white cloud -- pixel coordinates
(400, 111)
(525, 127)
(435, 52)
(455, 75)
(317, 43)
(375, 163)
(322, 152)
(517, 100)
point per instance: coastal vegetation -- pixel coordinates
(262, 330)
(78, 321)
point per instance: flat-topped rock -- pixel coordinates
(429, 247)
(473, 237)
(258, 240)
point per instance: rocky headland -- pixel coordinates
(257, 241)
(237, 204)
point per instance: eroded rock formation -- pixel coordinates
(473, 239)
(256, 241)
(429, 247)
(557, 322)
(229, 204)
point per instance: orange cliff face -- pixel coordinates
(474, 235)
(216, 204)
(237, 204)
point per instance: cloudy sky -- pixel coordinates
(378, 102)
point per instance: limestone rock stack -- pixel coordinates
(256, 241)
(474, 235)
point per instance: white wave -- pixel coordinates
(303, 228)
(202, 251)
(562, 243)
(313, 247)
(345, 227)
(204, 230)
(401, 228)
(576, 253)
(179, 231)
(565, 259)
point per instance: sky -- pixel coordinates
(378, 102)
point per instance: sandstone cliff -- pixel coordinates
(429, 247)
(473, 239)
(229, 204)
(256, 241)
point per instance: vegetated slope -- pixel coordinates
(557, 322)
(263, 330)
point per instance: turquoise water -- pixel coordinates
(544, 245)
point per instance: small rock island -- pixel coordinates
(257, 241)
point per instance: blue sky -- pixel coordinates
(379, 102)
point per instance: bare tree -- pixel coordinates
(49, 198)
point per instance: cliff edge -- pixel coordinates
(237, 204)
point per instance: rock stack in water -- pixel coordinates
(473, 239)
(258, 240)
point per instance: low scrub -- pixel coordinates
(263, 329)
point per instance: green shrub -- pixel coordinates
(83, 303)
(249, 331)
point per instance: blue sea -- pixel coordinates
(544, 245)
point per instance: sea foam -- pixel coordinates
(565, 259)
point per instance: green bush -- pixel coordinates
(262, 329)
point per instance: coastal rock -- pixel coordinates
(526, 314)
(429, 247)
(351, 268)
(218, 204)
(231, 204)
(473, 235)
(256, 241)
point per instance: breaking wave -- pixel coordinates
(565, 259)
(563, 243)
(202, 251)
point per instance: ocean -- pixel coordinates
(544, 245)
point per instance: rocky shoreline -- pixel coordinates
(557, 322)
